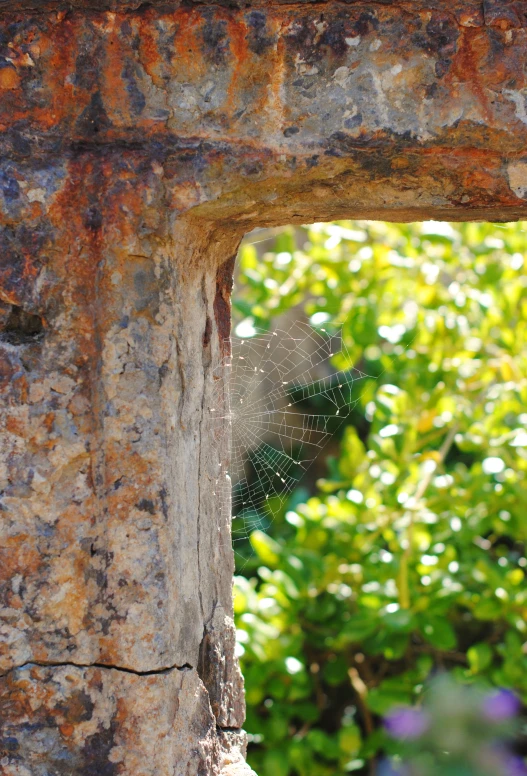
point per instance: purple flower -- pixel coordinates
(514, 765)
(407, 723)
(501, 705)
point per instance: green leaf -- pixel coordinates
(479, 657)
(350, 739)
(358, 627)
(488, 609)
(438, 632)
(266, 548)
(401, 620)
(352, 454)
(335, 672)
(322, 744)
(382, 700)
(275, 763)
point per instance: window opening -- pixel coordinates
(396, 547)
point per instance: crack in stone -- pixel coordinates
(221, 729)
(200, 454)
(107, 666)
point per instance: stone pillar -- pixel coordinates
(117, 643)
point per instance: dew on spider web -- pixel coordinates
(286, 397)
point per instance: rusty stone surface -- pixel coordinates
(103, 722)
(425, 101)
(137, 145)
(114, 549)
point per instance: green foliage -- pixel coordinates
(410, 554)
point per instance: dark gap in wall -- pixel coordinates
(21, 327)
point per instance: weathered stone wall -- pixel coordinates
(137, 144)
(277, 110)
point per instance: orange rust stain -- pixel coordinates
(122, 714)
(77, 210)
(275, 104)
(113, 90)
(149, 53)
(59, 57)
(188, 62)
(478, 179)
(15, 426)
(74, 606)
(471, 18)
(400, 163)
(109, 647)
(114, 462)
(261, 73)
(237, 31)
(457, 157)
(130, 201)
(9, 297)
(468, 64)
(18, 556)
(47, 421)
(67, 729)
(9, 78)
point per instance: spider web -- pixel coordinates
(269, 419)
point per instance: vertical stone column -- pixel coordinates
(116, 638)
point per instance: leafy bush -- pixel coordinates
(409, 555)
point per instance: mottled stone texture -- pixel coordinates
(103, 722)
(137, 144)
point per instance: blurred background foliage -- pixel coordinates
(406, 553)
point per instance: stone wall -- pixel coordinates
(138, 143)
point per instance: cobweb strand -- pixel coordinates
(276, 381)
